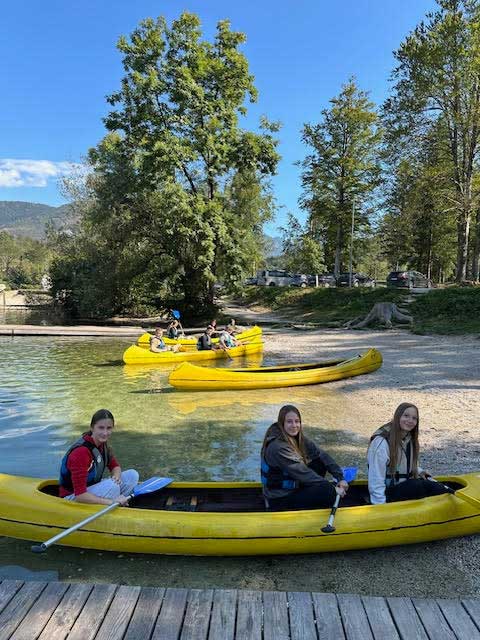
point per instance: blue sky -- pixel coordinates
(58, 61)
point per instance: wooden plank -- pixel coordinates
(169, 621)
(8, 589)
(327, 613)
(275, 616)
(92, 614)
(249, 615)
(197, 615)
(380, 618)
(222, 623)
(406, 619)
(354, 618)
(473, 608)
(458, 618)
(19, 606)
(302, 621)
(40, 613)
(432, 618)
(63, 619)
(119, 613)
(145, 614)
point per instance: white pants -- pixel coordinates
(108, 488)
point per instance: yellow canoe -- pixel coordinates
(248, 334)
(191, 377)
(196, 522)
(139, 355)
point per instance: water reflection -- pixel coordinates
(34, 315)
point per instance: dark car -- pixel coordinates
(299, 280)
(410, 279)
(358, 280)
(250, 281)
(324, 280)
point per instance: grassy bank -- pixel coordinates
(455, 310)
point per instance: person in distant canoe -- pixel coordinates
(293, 467)
(174, 330)
(393, 471)
(157, 343)
(84, 463)
(226, 339)
(213, 324)
(204, 343)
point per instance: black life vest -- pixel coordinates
(95, 473)
(204, 343)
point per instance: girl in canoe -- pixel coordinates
(85, 461)
(293, 467)
(393, 471)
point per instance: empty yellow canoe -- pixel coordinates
(191, 377)
(139, 355)
(248, 334)
(229, 519)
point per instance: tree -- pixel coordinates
(343, 168)
(179, 189)
(302, 253)
(438, 75)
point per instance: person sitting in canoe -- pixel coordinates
(204, 343)
(226, 340)
(157, 344)
(84, 463)
(393, 471)
(293, 467)
(174, 330)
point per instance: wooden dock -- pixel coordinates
(15, 330)
(57, 610)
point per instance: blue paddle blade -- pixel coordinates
(151, 485)
(349, 473)
(176, 314)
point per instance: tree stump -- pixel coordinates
(383, 312)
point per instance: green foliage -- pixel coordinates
(178, 192)
(343, 168)
(23, 261)
(454, 310)
(302, 253)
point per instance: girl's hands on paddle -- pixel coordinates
(122, 500)
(342, 488)
(425, 475)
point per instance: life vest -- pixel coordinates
(204, 343)
(403, 470)
(95, 473)
(276, 478)
(161, 343)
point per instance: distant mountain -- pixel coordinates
(29, 218)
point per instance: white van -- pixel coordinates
(274, 278)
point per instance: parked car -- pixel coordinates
(250, 281)
(299, 280)
(274, 277)
(324, 280)
(408, 279)
(358, 280)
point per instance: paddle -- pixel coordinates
(349, 474)
(148, 486)
(462, 496)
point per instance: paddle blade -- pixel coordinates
(176, 314)
(152, 484)
(349, 474)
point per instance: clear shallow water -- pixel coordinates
(50, 387)
(33, 315)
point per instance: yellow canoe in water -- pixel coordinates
(139, 355)
(229, 519)
(191, 377)
(248, 334)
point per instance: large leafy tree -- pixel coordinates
(343, 168)
(179, 190)
(302, 251)
(438, 76)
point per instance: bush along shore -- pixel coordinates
(454, 310)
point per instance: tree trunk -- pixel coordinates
(463, 232)
(383, 312)
(338, 250)
(476, 249)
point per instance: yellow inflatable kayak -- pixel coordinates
(229, 519)
(139, 355)
(189, 376)
(248, 334)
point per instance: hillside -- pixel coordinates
(29, 218)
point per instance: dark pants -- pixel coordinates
(313, 496)
(413, 489)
